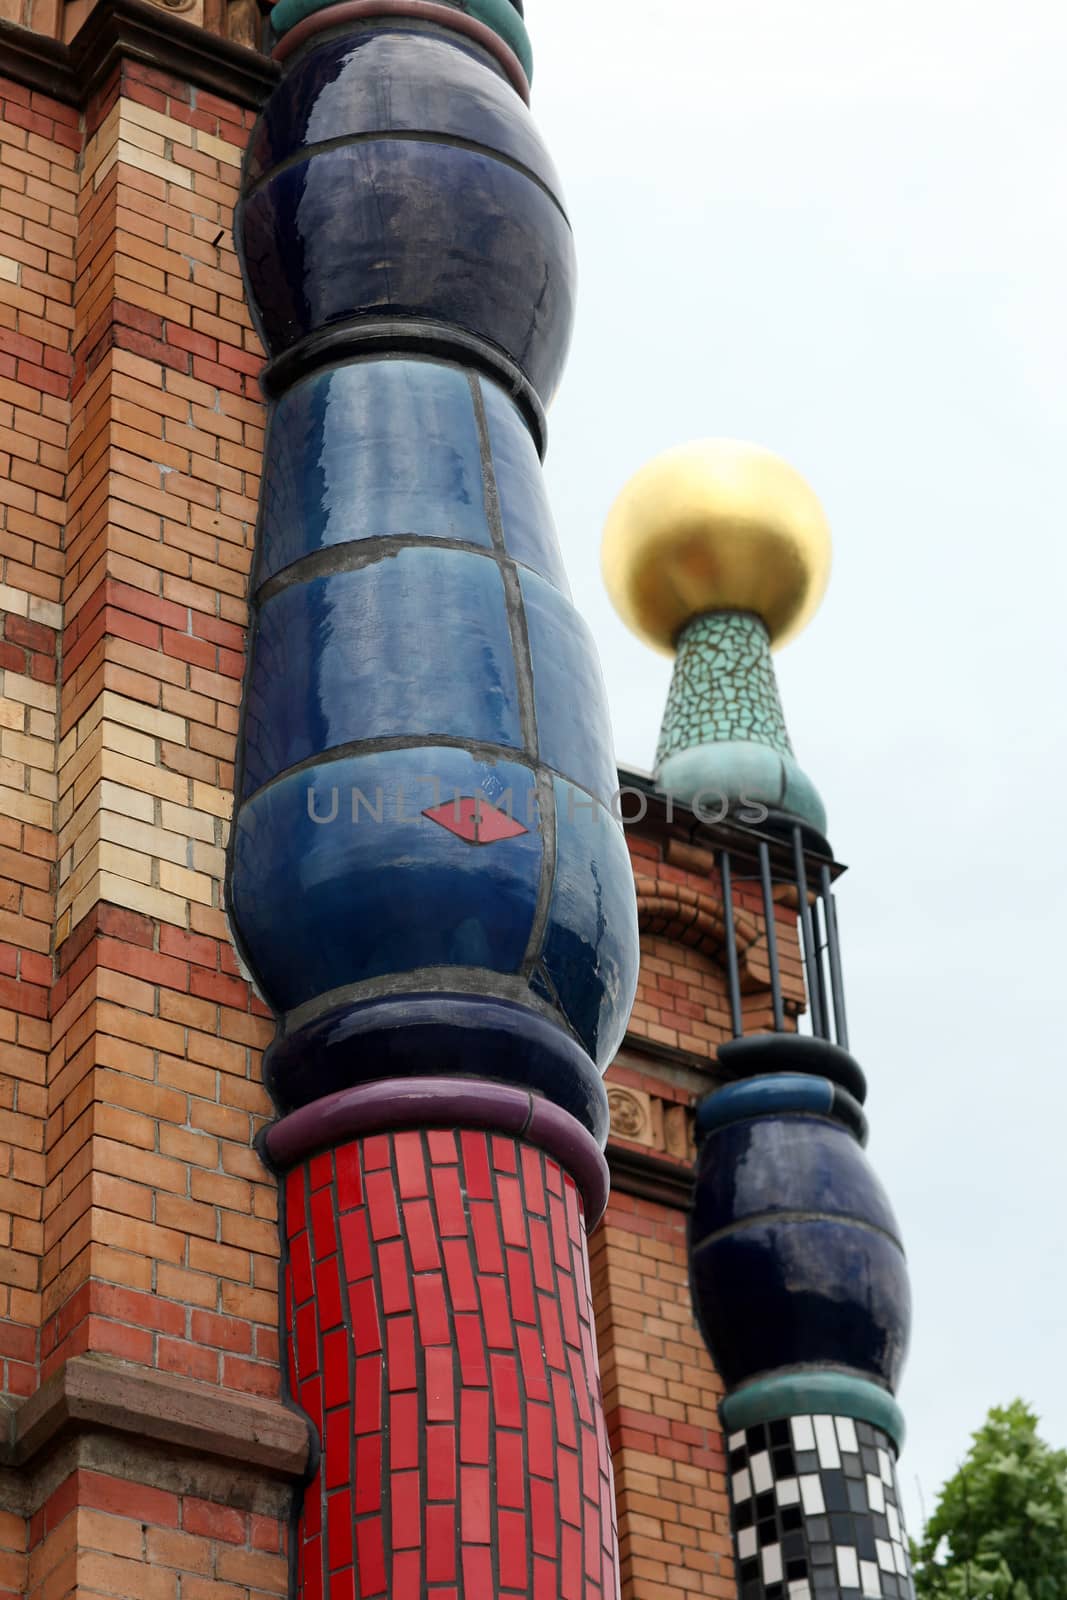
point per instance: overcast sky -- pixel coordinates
(840, 229)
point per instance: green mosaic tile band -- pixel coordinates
(724, 737)
(724, 687)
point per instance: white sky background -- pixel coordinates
(840, 229)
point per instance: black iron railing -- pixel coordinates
(787, 862)
(782, 854)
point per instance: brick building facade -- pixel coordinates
(145, 1449)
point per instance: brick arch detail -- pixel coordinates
(673, 911)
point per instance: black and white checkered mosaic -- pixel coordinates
(816, 1512)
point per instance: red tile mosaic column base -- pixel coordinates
(441, 1340)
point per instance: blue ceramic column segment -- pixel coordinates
(426, 875)
(801, 1291)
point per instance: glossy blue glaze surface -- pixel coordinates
(395, 184)
(590, 944)
(792, 1293)
(528, 526)
(407, 229)
(573, 722)
(763, 1097)
(467, 1035)
(322, 904)
(415, 644)
(395, 80)
(368, 450)
(787, 1163)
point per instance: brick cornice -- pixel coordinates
(94, 1393)
(650, 1177)
(132, 30)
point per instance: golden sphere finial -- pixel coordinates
(717, 525)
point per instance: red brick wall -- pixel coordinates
(39, 142)
(106, 1535)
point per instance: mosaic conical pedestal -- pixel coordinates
(426, 879)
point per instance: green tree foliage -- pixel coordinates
(1000, 1528)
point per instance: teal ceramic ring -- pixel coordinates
(500, 15)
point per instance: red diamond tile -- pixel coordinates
(472, 818)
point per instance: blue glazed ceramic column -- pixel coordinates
(426, 878)
(716, 551)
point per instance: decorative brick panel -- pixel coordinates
(441, 1340)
